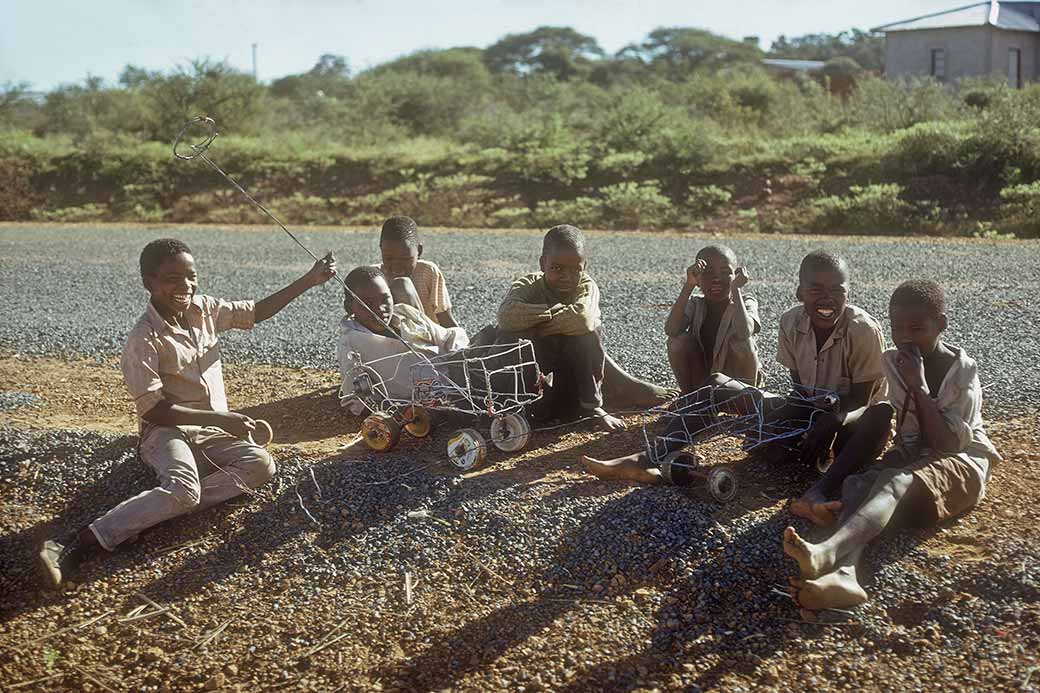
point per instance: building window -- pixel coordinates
(939, 64)
(1015, 68)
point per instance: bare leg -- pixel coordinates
(687, 362)
(628, 390)
(892, 488)
(631, 468)
(403, 291)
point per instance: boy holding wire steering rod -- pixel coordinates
(202, 453)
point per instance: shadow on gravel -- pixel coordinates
(306, 418)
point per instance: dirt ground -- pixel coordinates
(96, 636)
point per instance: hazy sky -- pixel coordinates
(50, 42)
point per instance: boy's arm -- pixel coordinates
(578, 317)
(446, 319)
(676, 321)
(936, 431)
(747, 322)
(323, 270)
(166, 414)
(519, 311)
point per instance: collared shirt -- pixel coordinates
(735, 352)
(851, 354)
(960, 402)
(164, 361)
(388, 357)
(433, 292)
(530, 301)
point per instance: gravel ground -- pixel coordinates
(79, 292)
(364, 572)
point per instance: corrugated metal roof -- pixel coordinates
(1012, 16)
(798, 65)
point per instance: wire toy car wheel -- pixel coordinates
(677, 467)
(467, 449)
(510, 432)
(722, 483)
(417, 421)
(381, 432)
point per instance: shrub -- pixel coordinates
(888, 105)
(928, 148)
(586, 212)
(705, 199)
(631, 205)
(87, 212)
(865, 208)
(1021, 207)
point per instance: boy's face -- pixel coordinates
(562, 268)
(824, 293)
(716, 279)
(916, 326)
(376, 295)
(399, 258)
(173, 285)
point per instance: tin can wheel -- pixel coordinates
(467, 449)
(510, 432)
(677, 467)
(380, 432)
(722, 483)
(417, 421)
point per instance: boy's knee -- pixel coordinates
(187, 493)
(879, 414)
(403, 291)
(261, 467)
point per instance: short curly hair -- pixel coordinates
(400, 229)
(719, 251)
(821, 260)
(158, 251)
(564, 237)
(919, 293)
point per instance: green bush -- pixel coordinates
(928, 148)
(1020, 207)
(876, 208)
(705, 199)
(632, 205)
(586, 212)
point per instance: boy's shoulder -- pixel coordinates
(795, 319)
(860, 321)
(427, 266)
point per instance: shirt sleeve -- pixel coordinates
(519, 309)
(866, 345)
(579, 317)
(747, 322)
(785, 351)
(231, 315)
(439, 293)
(140, 365)
(965, 409)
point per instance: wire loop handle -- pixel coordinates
(199, 147)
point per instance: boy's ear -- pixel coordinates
(798, 293)
(942, 322)
(541, 263)
(418, 250)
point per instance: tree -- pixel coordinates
(867, 49)
(677, 51)
(559, 51)
(330, 76)
(204, 87)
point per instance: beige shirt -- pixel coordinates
(736, 353)
(531, 304)
(960, 402)
(851, 354)
(429, 284)
(164, 361)
(388, 357)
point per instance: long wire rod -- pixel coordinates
(199, 152)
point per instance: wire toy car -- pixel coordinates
(495, 382)
(701, 415)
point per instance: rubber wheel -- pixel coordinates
(381, 432)
(418, 421)
(676, 467)
(510, 432)
(467, 449)
(722, 483)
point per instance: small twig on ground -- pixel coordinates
(58, 632)
(303, 507)
(177, 547)
(326, 640)
(212, 634)
(169, 612)
(23, 684)
(141, 616)
(408, 588)
(87, 675)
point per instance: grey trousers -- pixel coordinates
(197, 468)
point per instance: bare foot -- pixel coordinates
(630, 468)
(838, 589)
(817, 509)
(608, 422)
(812, 560)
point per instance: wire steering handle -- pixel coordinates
(199, 147)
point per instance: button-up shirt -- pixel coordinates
(735, 352)
(530, 301)
(182, 365)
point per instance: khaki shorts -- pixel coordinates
(955, 485)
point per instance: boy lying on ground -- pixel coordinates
(937, 469)
(828, 345)
(200, 451)
(363, 339)
(715, 331)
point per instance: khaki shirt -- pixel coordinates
(851, 354)
(736, 353)
(388, 357)
(164, 361)
(429, 284)
(960, 402)
(528, 303)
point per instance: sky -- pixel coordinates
(51, 42)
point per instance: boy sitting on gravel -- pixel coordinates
(363, 339)
(558, 310)
(401, 251)
(938, 468)
(202, 453)
(715, 331)
(828, 345)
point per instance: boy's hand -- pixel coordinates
(693, 273)
(322, 271)
(238, 425)
(740, 278)
(910, 366)
(819, 438)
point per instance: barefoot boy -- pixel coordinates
(558, 310)
(364, 340)
(201, 452)
(938, 467)
(401, 252)
(828, 345)
(715, 331)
